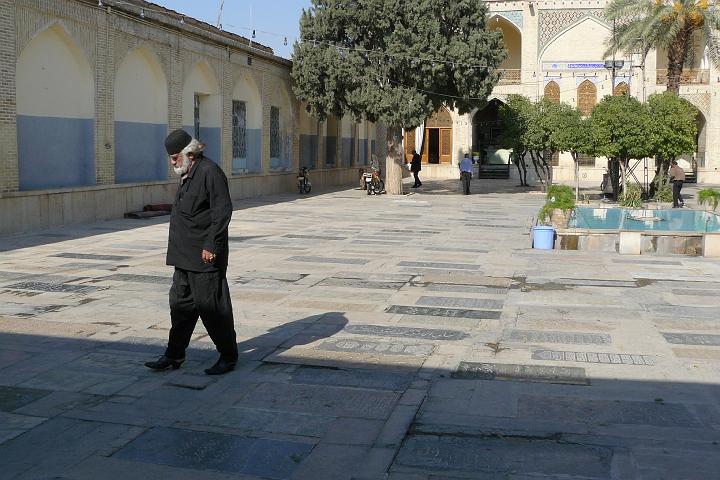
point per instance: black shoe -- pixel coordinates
(163, 363)
(220, 367)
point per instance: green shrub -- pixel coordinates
(709, 196)
(558, 196)
(663, 190)
(631, 196)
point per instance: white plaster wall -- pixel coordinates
(246, 90)
(202, 80)
(141, 93)
(54, 78)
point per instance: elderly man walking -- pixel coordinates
(198, 249)
(677, 175)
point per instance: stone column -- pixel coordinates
(175, 91)
(226, 142)
(266, 104)
(9, 177)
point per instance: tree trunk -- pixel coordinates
(540, 178)
(677, 51)
(524, 168)
(577, 176)
(623, 172)
(516, 159)
(394, 161)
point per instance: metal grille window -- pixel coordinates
(239, 142)
(274, 132)
(196, 115)
(353, 143)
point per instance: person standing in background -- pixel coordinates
(466, 173)
(677, 176)
(415, 168)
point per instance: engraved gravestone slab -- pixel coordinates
(312, 259)
(363, 346)
(543, 336)
(449, 249)
(91, 256)
(692, 339)
(258, 420)
(684, 311)
(444, 312)
(593, 357)
(521, 373)
(449, 266)
(448, 287)
(314, 237)
(351, 378)
(460, 302)
(126, 277)
(606, 412)
(645, 262)
(279, 276)
(197, 450)
(695, 292)
(25, 310)
(12, 398)
(595, 282)
(498, 458)
(55, 287)
(357, 283)
(320, 400)
(408, 332)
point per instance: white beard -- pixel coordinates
(184, 166)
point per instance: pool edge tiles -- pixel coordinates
(645, 220)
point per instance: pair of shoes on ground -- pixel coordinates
(163, 363)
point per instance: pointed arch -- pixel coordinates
(246, 125)
(552, 91)
(141, 118)
(55, 112)
(622, 88)
(586, 97)
(281, 128)
(512, 40)
(202, 108)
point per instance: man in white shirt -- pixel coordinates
(677, 175)
(466, 173)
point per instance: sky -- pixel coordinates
(272, 20)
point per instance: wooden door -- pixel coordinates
(446, 145)
(409, 144)
(426, 146)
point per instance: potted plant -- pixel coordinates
(710, 197)
(559, 205)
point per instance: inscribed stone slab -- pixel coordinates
(351, 378)
(275, 459)
(409, 332)
(444, 312)
(346, 261)
(320, 400)
(692, 339)
(594, 357)
(461, 302)
(542, 336)
(449, 266)
(55, 287)
(356, 283)
(364, 346)
(502, 457)
(447, 287)
(606, 412)
(125, 277)
(521, 373)
(261, 420)
(12, 398)
(90, 256)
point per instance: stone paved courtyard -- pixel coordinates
(409, 338)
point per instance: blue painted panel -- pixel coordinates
(55, 152)
(308, 150)
(253, 162)
(211, 138)
(140, 154)
(363, 152)
(346, 153)
(330, 151)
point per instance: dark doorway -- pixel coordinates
(433, 145)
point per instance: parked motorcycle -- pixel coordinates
(303, 179)
(373, 183)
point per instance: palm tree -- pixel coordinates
(668, 24)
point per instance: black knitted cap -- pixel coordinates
(176, 141)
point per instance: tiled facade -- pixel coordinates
(57, 45)
(563, 41)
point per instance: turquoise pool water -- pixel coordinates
(677, 220)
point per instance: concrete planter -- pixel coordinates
(560, 218)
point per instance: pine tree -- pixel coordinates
(395, 61)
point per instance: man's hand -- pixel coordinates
(208, 257)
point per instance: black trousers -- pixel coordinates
(418, 183)
(205, 295)
(677, 196)
(466, 177)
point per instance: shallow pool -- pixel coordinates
(627, 219)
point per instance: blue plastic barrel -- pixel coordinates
(543, 237)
